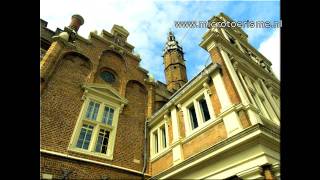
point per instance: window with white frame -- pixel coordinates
(159, 139)
(198, 111)
(193, 117)
(155, 142)
(204, 109)
(96, 128)
(163, 137)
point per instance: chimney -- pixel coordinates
(76, 22)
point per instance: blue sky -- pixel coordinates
(149, 22)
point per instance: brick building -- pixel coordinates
(104, 117)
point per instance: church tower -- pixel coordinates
(175, 68)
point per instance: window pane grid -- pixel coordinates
(193, 117)
(85, 136)
(204, 109)
(92, 110)
(107, 115)
(102, 142)
(155, 135)
(96, 123)
(164, 140)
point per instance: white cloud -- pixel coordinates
(147, 21)
(270, 48)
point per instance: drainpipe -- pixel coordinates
(145, 148)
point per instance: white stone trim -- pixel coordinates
(224, 33)
(269, 110)
(177, 154)
(252, 173)
(234, 78)
(232, 123)
(47, 176)
(209, 104)
(94, 93)
(161, 151)
(194, 100)
(175, 125)
(221, 90)
(274, 105)
(253, 116)
(258, 136)
(186, 91)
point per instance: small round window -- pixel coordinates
(107, 76)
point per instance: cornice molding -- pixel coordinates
(215, 39)
(257, 131)
(114, 94)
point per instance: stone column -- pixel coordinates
(275, 106)
(176, 144)
(231, 120)
(243, 96)
(253, 116)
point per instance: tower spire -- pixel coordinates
(172, 44)
(175, 69)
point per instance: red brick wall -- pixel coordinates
(170, 133)
(130, 134)
(217, 58)
(114, 62)
(61, 103)
(215, 100)
(54, 165)
(244, 119)
(210, 137)
(181, 124)
(161, 164)
(174, 72)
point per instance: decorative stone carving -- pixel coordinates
(206, 86)
(119, 40)
(179, 107)
(235, 65)
(84, 96)
(121, 108)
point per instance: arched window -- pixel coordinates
(108, 76)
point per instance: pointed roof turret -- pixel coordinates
(172, 44)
